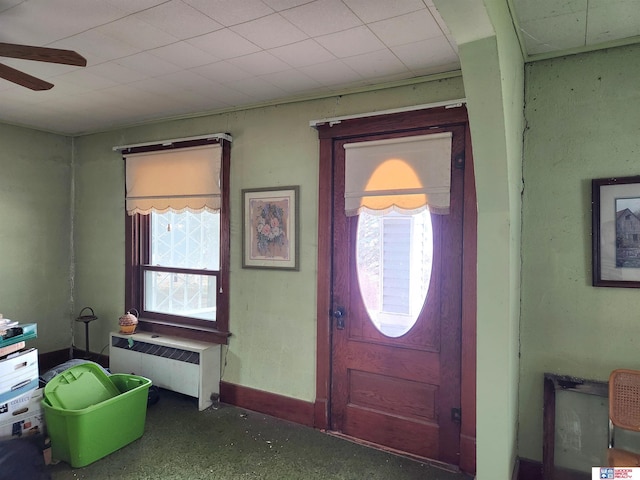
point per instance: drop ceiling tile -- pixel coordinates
(188, 80)
(279, 5)
(348, 43)
(270, 31)
(83, 80)
(128, 97)
(375, 10)
(148, 64)
(188, 98)
(554, 33)
(419, 55)
(42, 70)
(322, 17)
(439, 20)
(7, 4)
(40, 22)
(224, 44)
(117, 73)
(229, 95)
(293, 81)
(12, 94)
(613, 20)
(407, 28)
(214, 104)
(258, 89)
(184, 55)
(333, 73)
(231, 12)
(376, 64)
(179, 20)
(526, 10)
(129, 6)
(222, 72)
(137, 33)
(303, 53)
(97, 47)
(259, 63)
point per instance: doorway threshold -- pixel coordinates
(417, 458)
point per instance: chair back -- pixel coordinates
(624, 399)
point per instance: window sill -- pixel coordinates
(191, 332)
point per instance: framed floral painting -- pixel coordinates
(270, 228)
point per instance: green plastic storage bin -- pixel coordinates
(80, 437)
(80, 387)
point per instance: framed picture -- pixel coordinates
(616, 231)
(270, 228)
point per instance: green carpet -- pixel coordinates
(231, 443)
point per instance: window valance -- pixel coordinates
(175, 179)
(406, 174)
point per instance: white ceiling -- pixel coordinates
(157, 59)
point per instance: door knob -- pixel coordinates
(339, 314)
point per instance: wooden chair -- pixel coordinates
(624, 413)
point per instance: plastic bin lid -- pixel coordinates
(79, 387)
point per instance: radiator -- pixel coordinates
(185, 366)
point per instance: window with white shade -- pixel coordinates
(178, 237)
(394, 186)
(406, 174)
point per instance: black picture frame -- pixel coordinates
(615, 206)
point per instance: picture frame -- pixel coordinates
(615, 206)
(270, 228)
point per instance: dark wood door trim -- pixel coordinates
(469, 289)
(398, 122)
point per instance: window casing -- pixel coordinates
(192, 296)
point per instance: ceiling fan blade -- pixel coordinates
(42, 54)
(21, 78)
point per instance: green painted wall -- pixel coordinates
(493, 72)
(272, 313)
(35, 230)
(583, 123)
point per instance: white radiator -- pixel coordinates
(177, 364)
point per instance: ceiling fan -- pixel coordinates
(38, 54)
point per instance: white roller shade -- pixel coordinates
(180, 179)
(405, 174)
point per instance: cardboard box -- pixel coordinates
(30, 423)
(24, 403)
(18, 374)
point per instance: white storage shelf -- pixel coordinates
(185, 366)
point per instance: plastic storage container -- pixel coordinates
(81, 436)
(80, 387)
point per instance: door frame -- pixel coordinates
(328, 133)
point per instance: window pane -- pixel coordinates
(186, 240)
(180, 294)
(394, 258)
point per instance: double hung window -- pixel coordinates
(177, 233)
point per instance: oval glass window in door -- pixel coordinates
(394, 255)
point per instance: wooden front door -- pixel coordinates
(398, 389)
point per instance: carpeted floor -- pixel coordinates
(231, 443)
